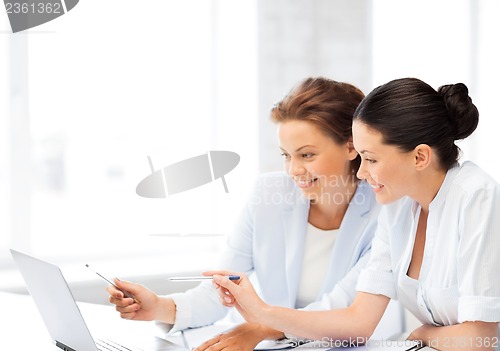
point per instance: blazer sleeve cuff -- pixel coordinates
(183, 312)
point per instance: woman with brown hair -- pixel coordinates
(305, 233)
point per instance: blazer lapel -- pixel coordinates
(294, 221)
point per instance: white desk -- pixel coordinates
(20, 324)
(22, 328)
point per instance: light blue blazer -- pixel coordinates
(268, 244)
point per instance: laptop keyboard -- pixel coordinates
(108, 345)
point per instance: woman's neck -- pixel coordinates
(427, 187)
(328, 212)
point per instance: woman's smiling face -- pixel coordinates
(386, 168)
(315, 161)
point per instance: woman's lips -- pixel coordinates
(305, 183)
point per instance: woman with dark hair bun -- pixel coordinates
(436, 244)
(409, 112)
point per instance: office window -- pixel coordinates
(487, 78)
(5, 218)
(441, 43)
(109, 84)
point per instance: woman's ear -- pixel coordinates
(423, 156)
(351, 150)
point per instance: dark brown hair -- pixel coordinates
(408, 112)
(326, 103)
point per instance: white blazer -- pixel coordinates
(268, 244)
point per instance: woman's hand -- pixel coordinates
(149, 308)
(239, 294)
(244, 337)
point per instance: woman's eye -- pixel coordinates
(369, 160)
(285, 155)
(307, 155)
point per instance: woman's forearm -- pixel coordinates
(355, 322)
(335, 324)
(477, 336)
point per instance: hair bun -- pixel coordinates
(463, 114)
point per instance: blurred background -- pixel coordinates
(86, 98)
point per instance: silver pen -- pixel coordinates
(199, 278)
(125, 293)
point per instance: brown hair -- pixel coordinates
(328, 104)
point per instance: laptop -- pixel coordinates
(61, 315)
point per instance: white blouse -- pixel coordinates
(318, 248)
(459, 277)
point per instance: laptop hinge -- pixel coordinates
(64, 347)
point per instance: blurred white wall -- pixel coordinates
(302, 38)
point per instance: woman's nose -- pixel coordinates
(362, 174)
(295, 168)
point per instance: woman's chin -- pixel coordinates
(313, 195)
